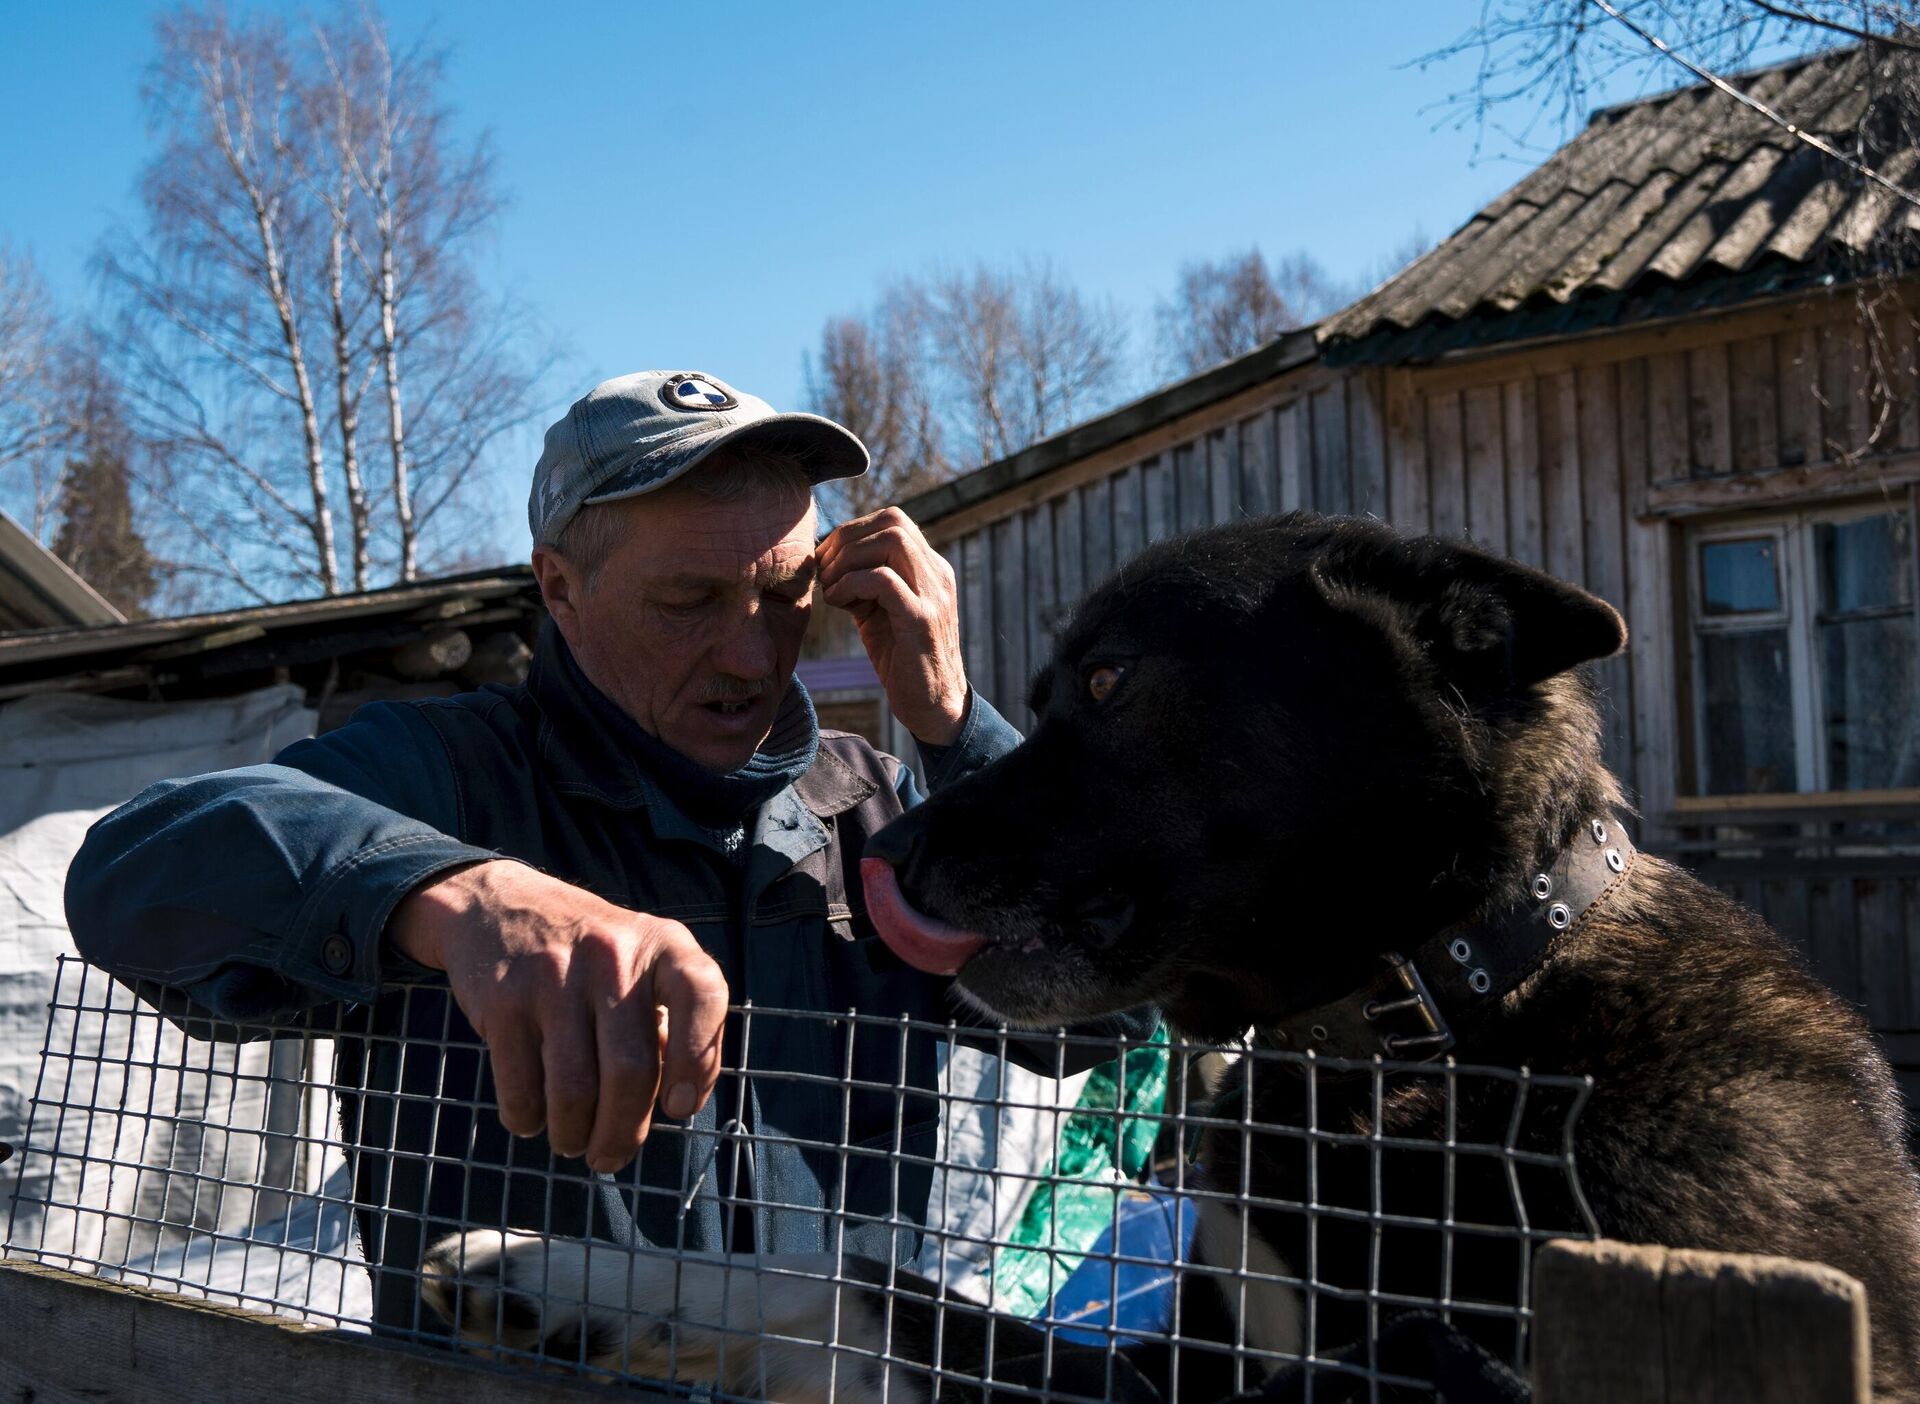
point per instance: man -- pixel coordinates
(595, 863)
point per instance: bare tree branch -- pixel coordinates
(1800, 14)
(1786, 124)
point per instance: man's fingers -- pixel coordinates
(886, 519)
(881, 586)
(518, 1081)
(907, 551)
(628, 1035)
(572, 1076)
(690, 985)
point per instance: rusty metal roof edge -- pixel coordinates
(37, 645)
(1288, 352)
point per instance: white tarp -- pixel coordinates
(995, 1116)
(147, 1153)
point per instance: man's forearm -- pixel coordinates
(261, 891)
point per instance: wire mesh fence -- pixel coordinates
(1196, 1219)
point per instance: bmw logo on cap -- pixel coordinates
(696, 392)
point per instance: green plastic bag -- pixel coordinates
(1105, 1147)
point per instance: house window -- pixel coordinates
(1804, 662)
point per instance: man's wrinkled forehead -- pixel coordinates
(731, 545)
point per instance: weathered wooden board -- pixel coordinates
(1331, 471)
(1070, 556)
(1193, 489)
(1526, 535)
(1409, 499)
(1039, 600)
(1290, 430)
(1223, 474)
(1618, 1323)
(1366, 443)
(1486, 467)
(1446, 465)
(76, 1340)
(1560, 475)
(1710, 409)
(1259, 483)
(1010, 617)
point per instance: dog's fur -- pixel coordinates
(1329, 741)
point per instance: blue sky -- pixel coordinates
(702, 185)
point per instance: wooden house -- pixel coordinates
(1644, 368)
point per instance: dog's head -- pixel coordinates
(1264, 753)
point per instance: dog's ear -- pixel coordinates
(1500, 621)
(1487, 622)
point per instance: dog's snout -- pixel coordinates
(1104, 921)
(899, 844)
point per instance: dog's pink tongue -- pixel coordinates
(924, 942)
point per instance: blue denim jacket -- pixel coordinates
(259, 896)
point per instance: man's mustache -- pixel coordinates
(732, 690)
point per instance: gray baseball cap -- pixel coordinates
(639, 432)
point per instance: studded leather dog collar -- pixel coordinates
(1401, 1012)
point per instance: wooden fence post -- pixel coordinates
(70, 1339)
(1618, 1323)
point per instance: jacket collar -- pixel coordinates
(586, 760)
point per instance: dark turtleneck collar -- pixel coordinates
(711, 799)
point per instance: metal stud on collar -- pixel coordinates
(1542, 886)
(1479, 982)
(1461, 951)
(1615, 861)
(1559, 917)
(1599, 832)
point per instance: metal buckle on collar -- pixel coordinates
(1399, 995)
(1393, 1015)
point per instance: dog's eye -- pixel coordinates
(1101, 681)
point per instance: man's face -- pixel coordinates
(693, 623)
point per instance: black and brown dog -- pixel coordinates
(1314, 779)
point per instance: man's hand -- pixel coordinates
(900, 592)
(570, 992)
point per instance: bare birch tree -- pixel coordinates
(426, 200)
(310, 222)
(961, 367)
(869, 378)
(212, 321)
(1014, 354)
(1222, 308)
(335, 115)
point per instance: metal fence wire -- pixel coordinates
(961, 1228)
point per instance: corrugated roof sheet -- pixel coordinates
(1654, 196)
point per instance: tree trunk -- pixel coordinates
(358, 516)
(273, 267)
(396, 416)
(321, 523)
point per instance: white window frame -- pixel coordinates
(1796, 559)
